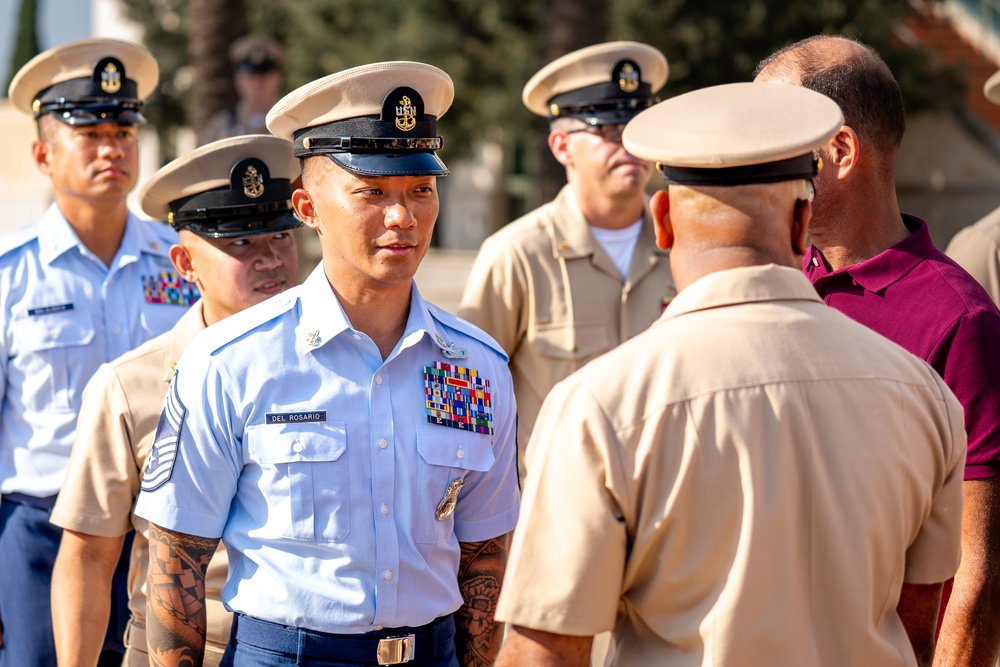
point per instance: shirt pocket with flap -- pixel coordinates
(304, 479)
(446, 454)
(44, 348)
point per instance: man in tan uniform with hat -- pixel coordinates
(577, 276)
(757, 479)
(230, 202)
(258, 66)
(977, 247)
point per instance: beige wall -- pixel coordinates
(946, 174)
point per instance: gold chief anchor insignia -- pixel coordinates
(447, 504)
(253, 183)
(628, 79)
(406, 115)
(111, 79)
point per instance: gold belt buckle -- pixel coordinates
(395, 650)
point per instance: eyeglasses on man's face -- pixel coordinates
(611, 132)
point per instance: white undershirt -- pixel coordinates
(619, 243)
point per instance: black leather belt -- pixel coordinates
(391, 646)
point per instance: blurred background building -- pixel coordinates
(941, 51)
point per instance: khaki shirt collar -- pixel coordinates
(571, 237)
(748, 284)
(190, 325)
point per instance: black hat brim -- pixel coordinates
(390, 164)
(252, 226)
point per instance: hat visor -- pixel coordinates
(391, 164)
(94, 115)
(252, 226)
(604, 117)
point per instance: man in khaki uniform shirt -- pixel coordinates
(577, 276)
(240, 254)
(757, 479)
(977, 247)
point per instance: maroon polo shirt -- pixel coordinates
(916, 296)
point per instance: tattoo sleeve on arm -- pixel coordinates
(480, 573)
(175, 589)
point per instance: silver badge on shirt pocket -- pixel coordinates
(447, 504)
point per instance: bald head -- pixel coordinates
(854, 76)
(713, 228)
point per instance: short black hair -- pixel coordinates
(860, 82)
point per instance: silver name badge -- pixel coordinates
(313, 416)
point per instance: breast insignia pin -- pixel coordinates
(450, 350)
(447, 504)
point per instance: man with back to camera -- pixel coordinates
(881, 268)
(353, 445)
(577, 276)
(230, 202)
(977, 247)
(85, 284)
(756, 479)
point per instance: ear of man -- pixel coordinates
(845, 151)
(659, 209)
(801, 215)
(305, 209)
(559, 145)
(181, 259)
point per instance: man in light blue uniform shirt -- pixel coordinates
(352, 445)
(85, 284)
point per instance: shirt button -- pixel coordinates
(53, 334)
(385, 510)
(357, 336)
(382, 444)
(378, 379)
(117, 330)
(460, 454)
(388, 575)
(297, 446)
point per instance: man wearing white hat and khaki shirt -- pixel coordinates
(85, 284)
(351, 444)
(977, 247)
(577, 276)
(230, 202)
(756, 479)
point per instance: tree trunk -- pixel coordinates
(26, 46)
(214, 25)
(568, 25)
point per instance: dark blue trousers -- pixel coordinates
(28, 548)
(256, 643)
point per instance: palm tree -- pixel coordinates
(568, 25)
(214, 25)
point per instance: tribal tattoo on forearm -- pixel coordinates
(480, 573)
(175, 585)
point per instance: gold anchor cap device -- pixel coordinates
(87, 82)
(373, 120)
(239, 186)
